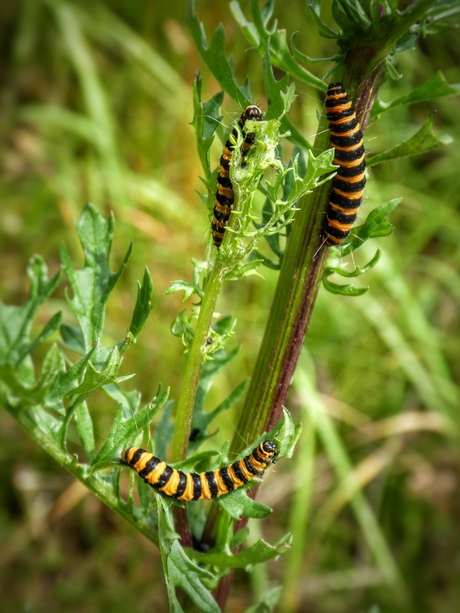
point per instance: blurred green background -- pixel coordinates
(96, 103)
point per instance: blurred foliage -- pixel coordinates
(96, 102)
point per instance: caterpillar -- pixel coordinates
(224, 193)
(348, 185)
(202, 486)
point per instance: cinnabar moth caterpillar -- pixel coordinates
(224, 194)
(202, 486)
(348, 185)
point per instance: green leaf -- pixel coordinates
(16, 321)
(85, 430)
(180, 571)
(248, 558)
(143, 304)
(436, 87)
(182, 328)
(274, 42)
(205, 121)
(92, 284)
(422, 142)
(238, 504)
(313, 8)
(125, 430)
(181, 286)
(216, 60)
(376, 225)
(95, 378)
(202, 418)
(343, 290)
(73, 338)
(268, 602)
(275, 93)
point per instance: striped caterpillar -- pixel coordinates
(225, 194)
(348, 184)
(199, 486)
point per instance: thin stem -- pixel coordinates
(193, 365)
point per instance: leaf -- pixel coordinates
(313, 8)
(238, 503)
(17, 321)
(436, 87)
(376, 225)
(422, 142)
(92, 284)
(260, 552)
(274, 90)
(95, 378)
(216, 60)
(124, 430)
(182, 328)
(202, 418)
(343, 290)
(181, 286)
(180, 571)
(205, 121)
(268, 601)
(85, 430)
(73, 338)
(143, 304)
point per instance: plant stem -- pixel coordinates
(193, 365)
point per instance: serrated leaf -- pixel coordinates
(182, 328)
(94, 379)
(274, 90)
(17, 320)
(92, 284)
(180, 571)
(238, 504)
(422, 142)
(215, 58)
(260, 552)
(285, 434)
(124, 430)
(49, 328)
(436, 87)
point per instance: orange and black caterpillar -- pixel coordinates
(224, 194)
(202, 486)
(348, 185)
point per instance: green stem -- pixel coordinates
(193, 365)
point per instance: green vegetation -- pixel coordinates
(102, 105)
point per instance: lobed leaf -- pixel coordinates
(422, 142)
